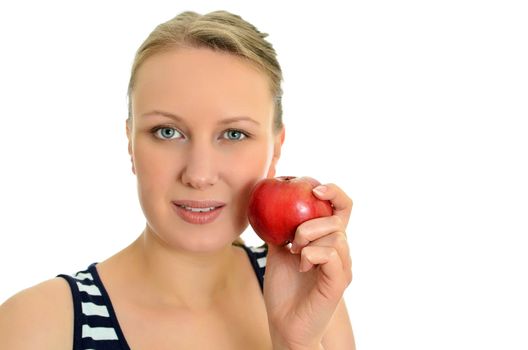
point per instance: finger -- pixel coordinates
(314, 229)
(338, 241)
(334, 278)
(341, 202)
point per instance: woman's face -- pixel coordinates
(217, 144)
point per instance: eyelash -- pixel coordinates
(157, 128)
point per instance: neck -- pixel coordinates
(194, 281)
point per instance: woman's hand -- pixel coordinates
(302, 288)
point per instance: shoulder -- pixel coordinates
(40, 317)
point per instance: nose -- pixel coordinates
(200, 171)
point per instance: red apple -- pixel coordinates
(278, 205)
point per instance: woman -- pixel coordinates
(204, 125)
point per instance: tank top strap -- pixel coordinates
(95, 322)
(257, 257)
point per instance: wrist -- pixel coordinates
(280, 343)
(288, 347)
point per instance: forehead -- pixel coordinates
(199, 80)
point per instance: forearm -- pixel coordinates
(339, 334)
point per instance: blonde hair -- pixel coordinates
(220, 31)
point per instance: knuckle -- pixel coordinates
(341, 239)
(302, 233)
(306, 253)
(348, 276)
(349, 279)
(335, 239)
(338, 222)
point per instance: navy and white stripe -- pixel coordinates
(257, 256)
(95, 324)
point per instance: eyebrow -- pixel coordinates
(180, 119)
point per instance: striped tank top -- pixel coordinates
(95, 323)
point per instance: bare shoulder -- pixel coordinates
(40, 317)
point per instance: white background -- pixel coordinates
(417, 109)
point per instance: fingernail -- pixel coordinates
(293, 248)
(320, 190)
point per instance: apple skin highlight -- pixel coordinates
(277, 206)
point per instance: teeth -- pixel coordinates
(198, 210)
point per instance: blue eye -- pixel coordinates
(166, 133)
(169, 133)
(235, 135)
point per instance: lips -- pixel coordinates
(198, 212)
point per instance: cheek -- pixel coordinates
(243, 172)
(154, 168)
(249, 164)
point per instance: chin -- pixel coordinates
(206, 244)
(200, 240)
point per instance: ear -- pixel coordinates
(129, 138)
(277, 145)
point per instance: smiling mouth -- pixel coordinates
(199, 213)
(197, 210)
